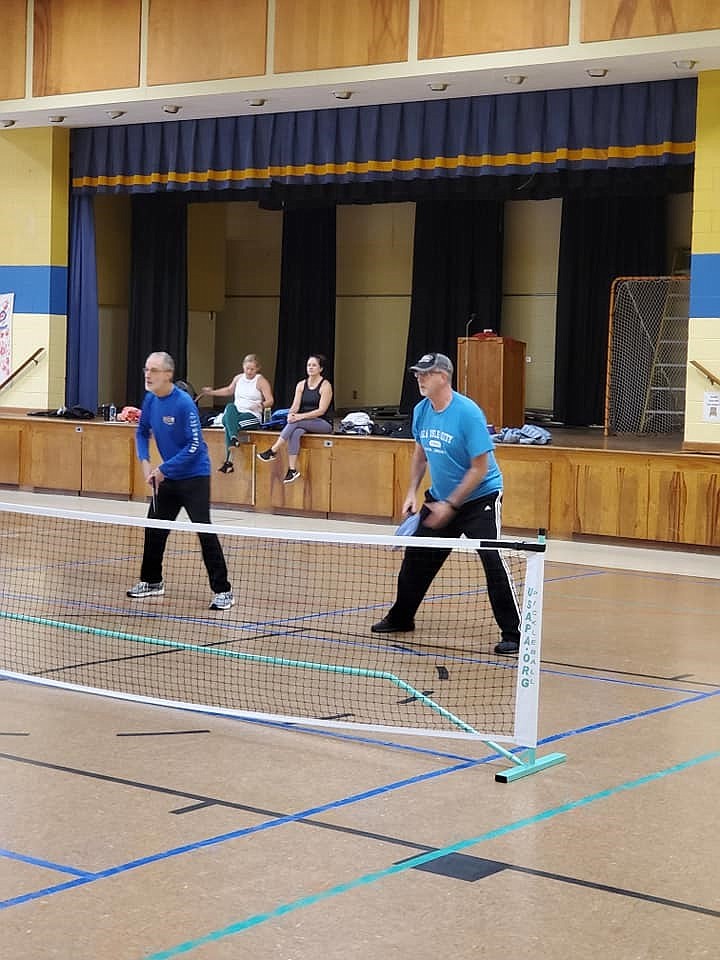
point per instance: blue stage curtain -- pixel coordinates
(553, 131)
(81, 384)
(158, 318)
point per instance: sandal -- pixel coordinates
(227, 467)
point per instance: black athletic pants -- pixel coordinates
(172, 496)
(479, 520)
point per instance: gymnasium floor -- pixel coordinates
(132, 832)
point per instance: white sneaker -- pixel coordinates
(223, 601)
(142, 590)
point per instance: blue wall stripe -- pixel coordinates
(396, 868)
(37, 289)
(705, 285)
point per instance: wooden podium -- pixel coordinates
(491, 371)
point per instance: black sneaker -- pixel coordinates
(507, 647)
(291, 475)
(388, 626)
(227, 467)
(267, 456)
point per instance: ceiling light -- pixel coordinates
(437, 86)
(56, 119)
(597, 72)
(171, 108)
(684, 64)
(515, 78)
(256, 102)
(115, 114)
(342, 94)
(7, 123)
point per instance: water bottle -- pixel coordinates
(113, 412)
(267, 413)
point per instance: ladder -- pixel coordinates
(664, 408)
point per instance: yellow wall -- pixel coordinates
(206, 256)
(249, 320)
(34, 177)
(704, 336)
(374, 281)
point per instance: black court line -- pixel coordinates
(455, 866)
(620, 891)
(162, 733)
(630, 673)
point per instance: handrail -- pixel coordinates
(32, 359)
(711, 376)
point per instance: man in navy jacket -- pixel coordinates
(182, 480)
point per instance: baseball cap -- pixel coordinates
(433, 361)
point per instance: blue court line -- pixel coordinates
(324, 808)
(48, 864)
(640, 714)
(396, 868)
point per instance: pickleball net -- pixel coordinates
(295, 647)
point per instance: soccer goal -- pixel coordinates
(296, 647)
(647, 355)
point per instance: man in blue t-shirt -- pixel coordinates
(182, 480)
(465, 497)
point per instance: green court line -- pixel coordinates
(259, 918)
(251, 657)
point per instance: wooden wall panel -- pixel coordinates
(684, 504)
(10, 453)
(454, 28)
(319, 34)
(216, 39)
(82, 45)
(617, 19)
(526, 495)
(14, 28)
(611, 496)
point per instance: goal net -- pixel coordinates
(647, 355)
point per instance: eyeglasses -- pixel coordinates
(155, 370)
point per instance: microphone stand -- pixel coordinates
(471, 321)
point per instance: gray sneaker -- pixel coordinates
(223, 601)
(143, 590)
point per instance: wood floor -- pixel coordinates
(137, 832)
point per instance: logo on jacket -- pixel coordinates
(169, 420)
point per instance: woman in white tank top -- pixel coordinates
(252, 394)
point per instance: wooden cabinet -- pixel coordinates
(491, 371)
(659, 497)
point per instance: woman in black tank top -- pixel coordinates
(311, 412)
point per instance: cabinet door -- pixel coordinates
(107, 458)
(363, 478)
(56, 455)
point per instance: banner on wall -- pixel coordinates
(6, 314)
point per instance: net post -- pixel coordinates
(526, 761)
